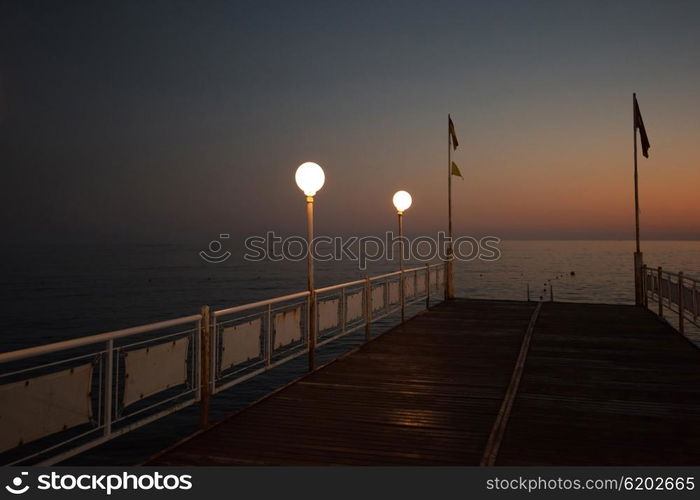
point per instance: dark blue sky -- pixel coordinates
(180, 120)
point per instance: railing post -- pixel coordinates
(342, 310)
(268, 336)
(644, 285)
(527, 287)
(661, 292)
(312, 330)
(445, 284)
(109, 369)
(415, 285)
(427, 285)
(695, 302)
(213, 353)
(551, 291)
(387, 295)
(681, 316)
(368, 309)
(401, 293)
(205, 367)
(448, 284)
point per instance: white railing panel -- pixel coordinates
(153, 369)
(287, 327)
(409, 286)
(378, 298)
(394, 295)
(353, 309)
(328, 314)
(441, 276)
(44, 405)
(241, 343)
(666, 287)
(420, 284)
(688, 299)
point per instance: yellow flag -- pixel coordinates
(455, 171)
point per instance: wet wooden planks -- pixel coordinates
(605, 385)
(601, 385)
(425, 393)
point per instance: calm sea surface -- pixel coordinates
(51, 294)
(58, 293)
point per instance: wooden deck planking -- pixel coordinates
(602, 385)
(605, 385)
(426, 392)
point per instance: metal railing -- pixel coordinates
(674, 292)
(60, 399)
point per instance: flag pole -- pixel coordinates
(449, 287)
(638, 278)
(636, 187)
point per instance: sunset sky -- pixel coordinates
(147, 121)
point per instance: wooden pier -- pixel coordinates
(481, 382)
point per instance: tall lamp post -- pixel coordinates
(310, 178)
(402, 201)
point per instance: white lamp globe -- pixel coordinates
(310, 178)
(402, 200)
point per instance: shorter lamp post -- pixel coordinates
(402, 201)
(310, 178)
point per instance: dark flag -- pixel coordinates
(451, 126)
(639, 124)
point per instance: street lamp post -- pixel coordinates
(310, 178)
(402, 201)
